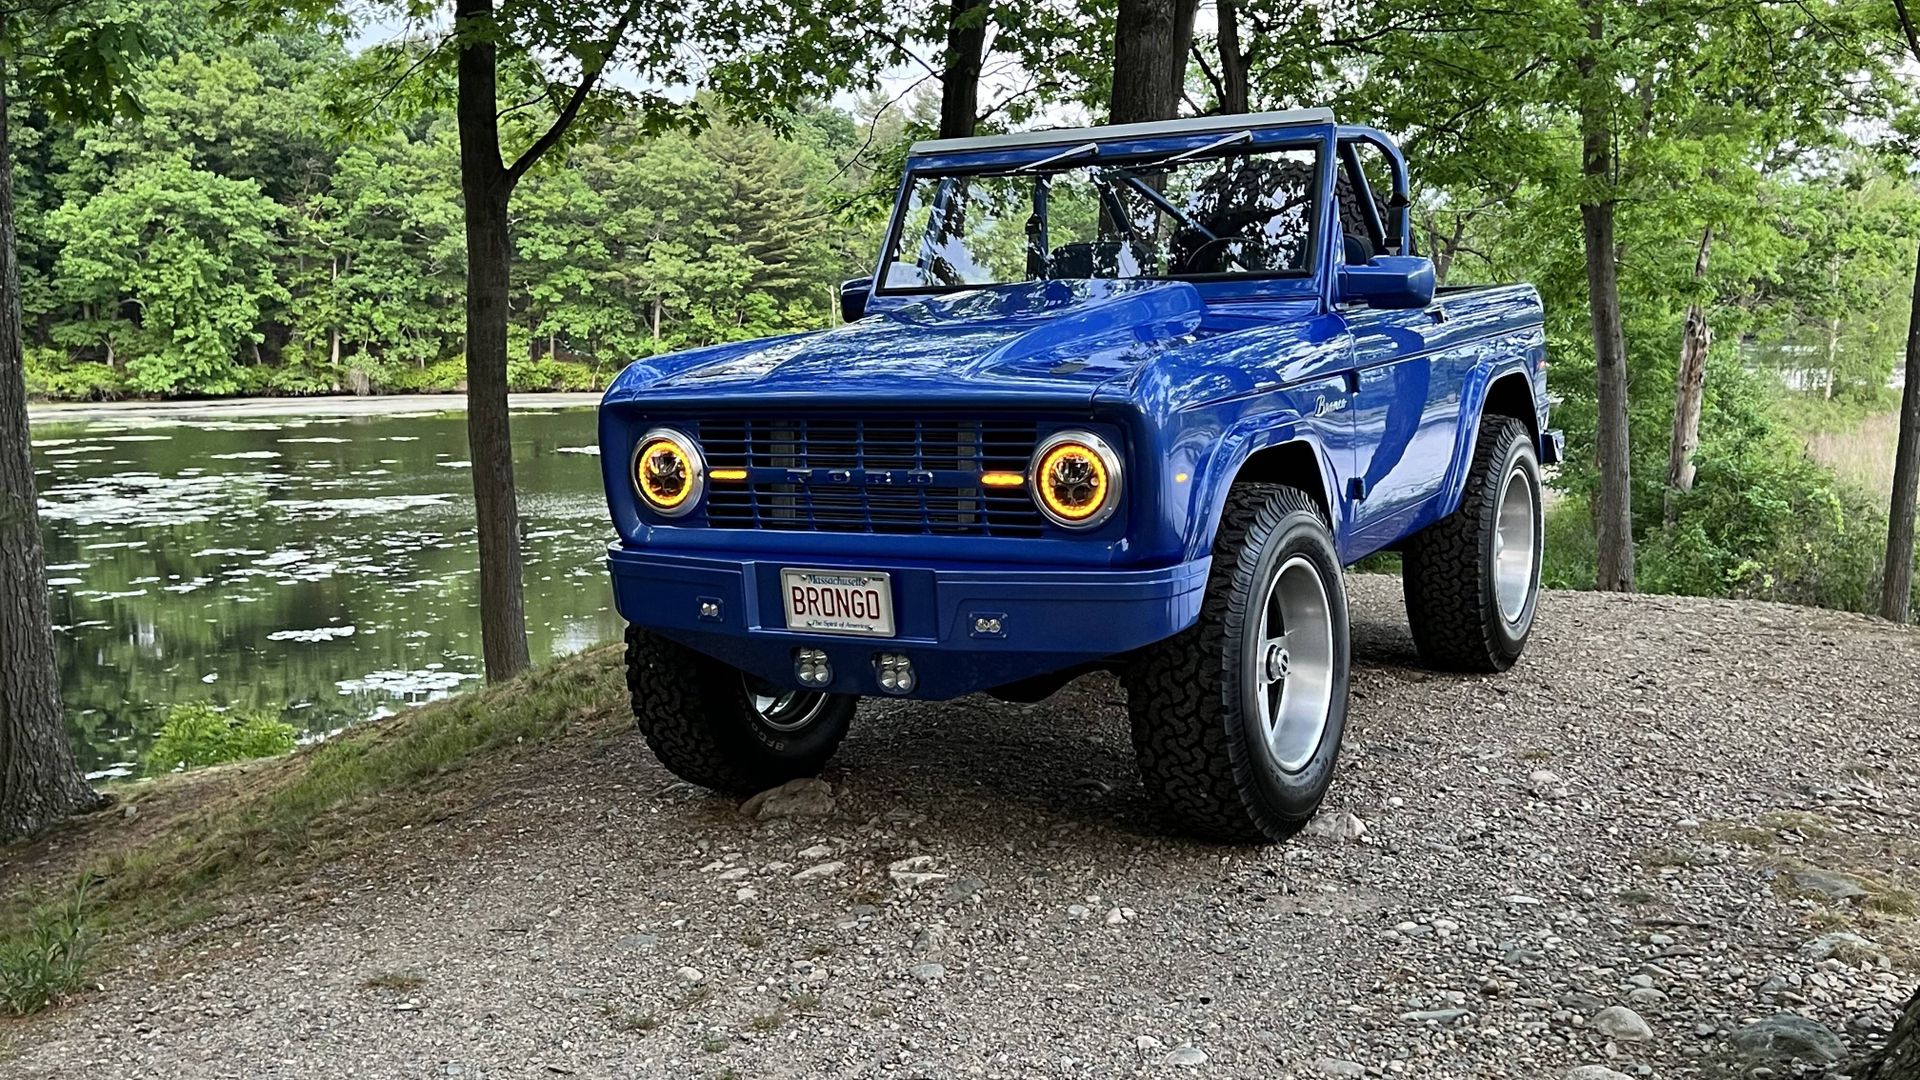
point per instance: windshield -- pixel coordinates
(1248, 213)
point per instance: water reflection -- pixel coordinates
(321, 568)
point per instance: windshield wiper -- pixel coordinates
(1083, 150)
(1188, 155)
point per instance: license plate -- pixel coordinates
(838, 602)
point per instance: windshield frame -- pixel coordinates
(1124, 153)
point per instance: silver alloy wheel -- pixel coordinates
(1293, 673)
(785, 710)
(1516, 546)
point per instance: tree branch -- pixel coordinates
(1906, 27)
(588, 78)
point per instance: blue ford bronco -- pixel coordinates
(1122, 398)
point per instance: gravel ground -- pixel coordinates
(1659, 829)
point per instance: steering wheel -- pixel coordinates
(1195, 257)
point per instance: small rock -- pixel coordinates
(1646, 996)
(692, 975)
(1785, 1037)
(1190, 1057)
(823, 870)
(1595, 1072)
(962, 890)
(913, 872)
(1829, 884)
(1115, 917)
(636, 942)
(1345, 827)
(1521, 899)
(1583, 1001)
(1843, 943)
(1148, 1042)
(806, 797)
(1337, 1067)
(1622, 1023)
(747, 894)
(1545, 784)
(928, 973)
(1442, 1017)
(814, 853)
(1078, 912)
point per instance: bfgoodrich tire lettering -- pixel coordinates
(1197, 729)
(1450, 571)
(700, 720)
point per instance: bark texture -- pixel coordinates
(1234, 97)
(487, 184)
(1613, 504)
(1900, 1058)
(960, 78)
(1689, 387)
(1896, 586)
(40, 783)
(1150, 43)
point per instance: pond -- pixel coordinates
(318, 568)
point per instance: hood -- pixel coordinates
(1042, 338)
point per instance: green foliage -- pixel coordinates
(44, 958)
(264, 227)
(199, 734)
(1764, 521)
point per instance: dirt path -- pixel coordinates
(1618, 822)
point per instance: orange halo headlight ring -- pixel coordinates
(669, 472)
(1076, 479)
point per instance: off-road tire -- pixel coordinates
(701, 724)
(1192, 728)
(1447, 569)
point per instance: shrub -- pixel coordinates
(535, 375)
(439, 377)
(46, 958)
(199, 734)
(51, 376)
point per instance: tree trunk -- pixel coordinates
(1150, 43)
(39, 780)
(1900, 1058)
(1896, 587)
(1613, 505)
(1689, 386)
(960, 81)
(486, 186)
(1233, 59)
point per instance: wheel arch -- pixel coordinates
(1504, 391)
(1286, 456)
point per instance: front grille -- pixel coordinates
(933, 467)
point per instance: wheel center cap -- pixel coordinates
(1278, 663)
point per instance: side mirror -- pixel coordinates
(1389, 281)
(853, 298)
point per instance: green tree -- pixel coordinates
(185, 258)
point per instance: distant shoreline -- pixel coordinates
(331, 405)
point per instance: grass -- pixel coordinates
(714, 1046)
(279, 817)
(45, 958)
(1860, 453)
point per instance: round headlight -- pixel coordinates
(669, 472)
(1076, 479)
